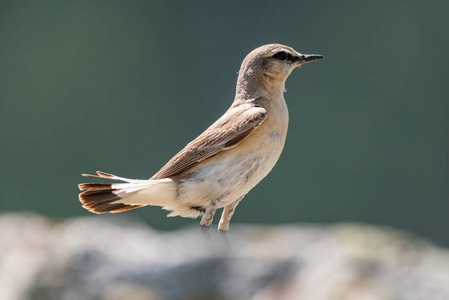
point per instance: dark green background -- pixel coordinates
(121, 86)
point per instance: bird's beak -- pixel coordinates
(305, 58)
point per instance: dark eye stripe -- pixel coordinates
(284, 56)
(280, 55)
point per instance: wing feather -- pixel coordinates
(228, 131)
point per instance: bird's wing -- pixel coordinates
(232, 128)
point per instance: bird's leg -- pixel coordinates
(206, 221)
(226, 216)
(208, 215)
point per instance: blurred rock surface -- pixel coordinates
(112, 258)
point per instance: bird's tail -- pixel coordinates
(101, 198)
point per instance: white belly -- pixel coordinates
(227, 176)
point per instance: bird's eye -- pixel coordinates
(280, 56)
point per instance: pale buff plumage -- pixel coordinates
(217, 169)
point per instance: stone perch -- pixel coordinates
(111, 258)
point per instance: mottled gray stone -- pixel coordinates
(112, 258)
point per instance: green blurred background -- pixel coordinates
(121, 86)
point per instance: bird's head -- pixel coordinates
(270, 65)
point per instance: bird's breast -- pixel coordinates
(233, 173)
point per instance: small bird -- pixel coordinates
(219, 167)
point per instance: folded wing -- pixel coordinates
(232, 128)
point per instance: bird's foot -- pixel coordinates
(224, 237)
(205, 230)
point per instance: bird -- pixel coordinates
(218, 168)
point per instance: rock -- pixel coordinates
(112, 258)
